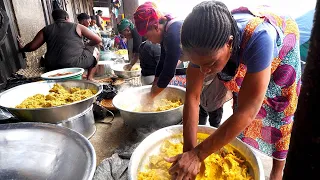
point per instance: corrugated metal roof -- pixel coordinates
(101, 3)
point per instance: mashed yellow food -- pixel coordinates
(135, 68)
(160, 105)
(122, 52)
(57, 96)
(225, 165)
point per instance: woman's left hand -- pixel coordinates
(185, 166)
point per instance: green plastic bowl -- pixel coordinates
(76, 74)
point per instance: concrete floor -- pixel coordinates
(108, 137)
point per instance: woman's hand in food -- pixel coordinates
(127, 67)
(147, 99)
(185, 166)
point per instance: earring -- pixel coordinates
(231, 38)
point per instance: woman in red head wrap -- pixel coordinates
(159, 28)
(164, 30)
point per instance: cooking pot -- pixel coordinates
(44, 151)
(11, 98)
(151, 146)
(129, 99)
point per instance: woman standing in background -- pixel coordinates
(126, 29)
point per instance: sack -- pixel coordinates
(108, 92)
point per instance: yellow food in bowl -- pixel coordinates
(122, 52)
(135, 68)
(58, 96)
(224, 165)
(160, 105)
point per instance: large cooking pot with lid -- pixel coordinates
(11, 98)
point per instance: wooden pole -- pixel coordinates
(303, 161)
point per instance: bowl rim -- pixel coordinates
(112, 67)
(77, 136)
(47, 74)
(157, 132)
(99, 86)
(135, 112)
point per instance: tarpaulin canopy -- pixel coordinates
(305, 24)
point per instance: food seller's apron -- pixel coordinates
(214, 94)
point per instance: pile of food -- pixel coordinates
(224, 165)
(112, 81)
(57, 96)
(136, 68)
(104, 80)
(159, 105)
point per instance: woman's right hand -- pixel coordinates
(147, 99)
(191, 107)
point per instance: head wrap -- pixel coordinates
(145, 16)
(124, 23)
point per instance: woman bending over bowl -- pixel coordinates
(255, 53)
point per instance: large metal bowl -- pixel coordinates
(120, 72)
(14, 96)
(127, 100)
(44, 151)
(151, 146)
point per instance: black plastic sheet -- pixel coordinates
(116, 166)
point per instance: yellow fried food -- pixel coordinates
(57, 96)
(159, 105)
(225, 165)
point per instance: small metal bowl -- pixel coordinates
(120, 72)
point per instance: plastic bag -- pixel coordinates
(108, 92)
